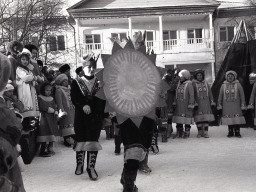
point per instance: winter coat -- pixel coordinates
(231, 101)
(64, 104)
(252, 101)
(203, 102)
(87, 126)
(184, 103)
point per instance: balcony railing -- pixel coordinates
(172, 45)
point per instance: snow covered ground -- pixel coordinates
(217, 164)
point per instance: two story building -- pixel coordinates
(181, 33)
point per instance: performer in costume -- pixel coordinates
(10, 132)
(251, 106)
(204, 102)
(89, 114)
(231, 104)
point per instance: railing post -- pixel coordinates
(130, 27)
(161, 47)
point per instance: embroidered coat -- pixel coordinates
(27, 92)
(48, 129)
(87, 127)
(203, 101)
(252, 101)
(231, 101)
(184, 103)
(64, 104)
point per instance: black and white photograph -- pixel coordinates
(127, 95)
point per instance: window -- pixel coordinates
(226, 33)
(168, 35)
(195, 36)
(252, 31)
(56, 43)
(120, 36)
(93, 41)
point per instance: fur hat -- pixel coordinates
(231, 72)
(60, 78)
(5, 70)
(198, 71)
(9, 86)
(79, 69)
(64, 68)
(11, 44)
(184, 73)
(25, 52)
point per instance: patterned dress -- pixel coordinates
(231, 101)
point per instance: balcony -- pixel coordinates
(169, 46)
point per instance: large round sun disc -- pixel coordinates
(131, 83)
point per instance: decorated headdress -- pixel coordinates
(90, 60)
(231, 72)
(5, 70)
(184, 73)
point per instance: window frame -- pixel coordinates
(226, 33)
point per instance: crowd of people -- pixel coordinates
(51, 104)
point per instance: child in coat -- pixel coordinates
(251, 106)
(48, 129)
(231, 104)
(184, 104)
(204, 102)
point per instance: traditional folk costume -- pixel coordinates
(87, 125)
(252, 102)
(184, 104)
(231, 102)
(203, 103)
(65, 107)
(48, 129)
(10, 132)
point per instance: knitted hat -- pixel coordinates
(64, 68)
(252, 76)
(198, 71)
(60, 78)
(79, 69)
(231, 72)
(5, 70)
(184, 73)
(11, 44)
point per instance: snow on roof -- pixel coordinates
(112, 4)
(234, 3)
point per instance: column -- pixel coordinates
(161, 46)
(130, 27)
(211, 29)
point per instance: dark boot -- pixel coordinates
(205, 132)
(230, 131)
(154, 146)
(79, 162)
(169, 130)
(163, 131)
(143, 167)
(50, 148)
(91, 161)
(118, 142)
(237, 132)
(107, 129)
(43, 151)
(186, 133)
(66, 141)
(200, 132)
(111, 132)
(127, 180)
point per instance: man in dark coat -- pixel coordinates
(89, 114)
